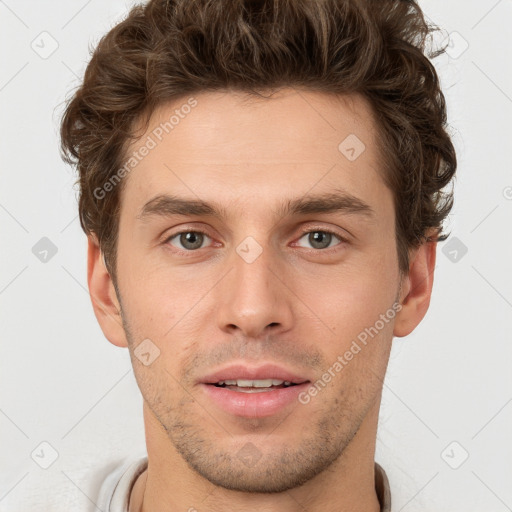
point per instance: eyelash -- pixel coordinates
(311, 230)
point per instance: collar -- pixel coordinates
(382, 489)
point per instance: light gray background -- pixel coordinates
(62, 383)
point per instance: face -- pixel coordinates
(291, 258)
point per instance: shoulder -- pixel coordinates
(118, 480)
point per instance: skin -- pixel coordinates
(296, 305)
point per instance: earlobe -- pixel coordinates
(103, 295)
(416, 289)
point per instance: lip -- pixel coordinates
(253, 405)
(243, 371)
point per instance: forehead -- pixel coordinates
(228, 142)
(291, 119)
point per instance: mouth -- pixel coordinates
(245, 391)
(244, 375)
(254, 386)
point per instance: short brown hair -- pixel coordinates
(166, 50)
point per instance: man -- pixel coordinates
(261, 184)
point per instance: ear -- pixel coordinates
(103, 295)
(416, 289)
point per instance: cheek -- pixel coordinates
(352, 298)
(151, 296)
(166, 307)
(358, 310)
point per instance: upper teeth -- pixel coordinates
(262, 383)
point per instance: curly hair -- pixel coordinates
(168, 49)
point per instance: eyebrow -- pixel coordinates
(328, 202)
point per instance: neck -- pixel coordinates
(170, 484)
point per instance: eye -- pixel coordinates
(189, 240)
(321, 238)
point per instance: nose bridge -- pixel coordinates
(253, 297)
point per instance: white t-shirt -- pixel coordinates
(114, 495)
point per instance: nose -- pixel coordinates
(254, 298)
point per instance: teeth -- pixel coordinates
(261, 383)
